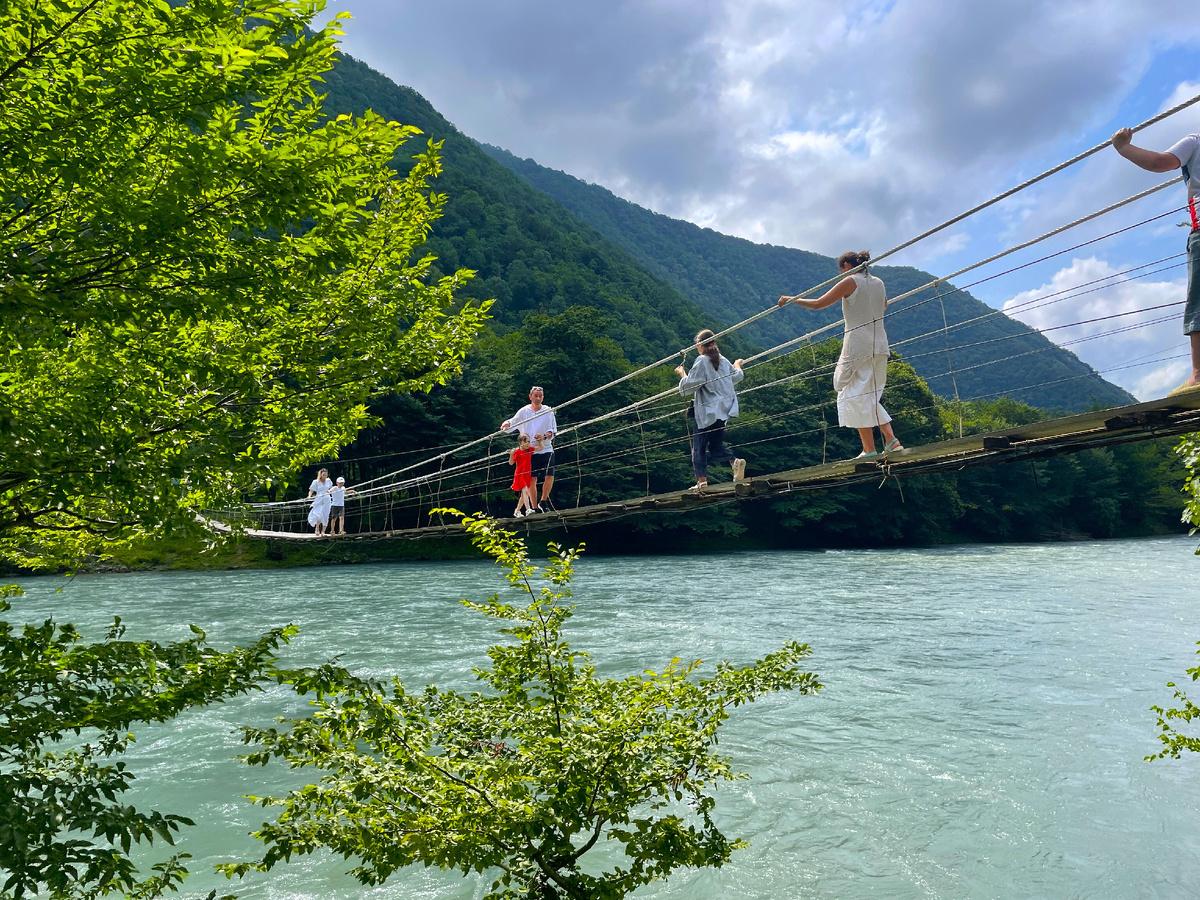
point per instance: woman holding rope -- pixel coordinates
(861, 371)
(714, 402)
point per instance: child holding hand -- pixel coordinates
(521, 457)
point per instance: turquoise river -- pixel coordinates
(981, 733)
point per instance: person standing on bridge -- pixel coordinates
(520, 458)
(537, 423)
(320, 493)
(337, 509)
(1185, 154)
(861, 371)
(710, 383)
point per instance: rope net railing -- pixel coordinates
(379, 485)
(382, 510)
(433, 480)
(410, 509)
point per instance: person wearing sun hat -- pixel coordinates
(337, 508)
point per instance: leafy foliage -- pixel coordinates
(203, 280)
(66, 709)
(1189, 450)
(202, 277)
(1170, 719)
(527, 775)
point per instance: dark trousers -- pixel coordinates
(708, 446)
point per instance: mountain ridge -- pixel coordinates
(723, 273)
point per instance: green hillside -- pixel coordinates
(732, 278)
(529, 253)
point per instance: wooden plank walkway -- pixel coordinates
(1119, 425)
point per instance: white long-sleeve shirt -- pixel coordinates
(715, 397)
(529, 423)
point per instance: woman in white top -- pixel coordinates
(319, 493)
(861, 371)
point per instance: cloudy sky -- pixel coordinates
(858, 123)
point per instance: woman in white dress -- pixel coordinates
(861, 371)
(319, 493)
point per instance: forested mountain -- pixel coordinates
(585, 296)
(732, 278)
(529, 253)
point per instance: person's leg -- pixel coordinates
(1195, 336)
(1191, 310)
(718, 452)
(542, 469)
(855, 399)
(889, 435)
(700, 455)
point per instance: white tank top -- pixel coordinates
(863, 312)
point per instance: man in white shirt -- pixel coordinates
(1185, 154)
(537, 423)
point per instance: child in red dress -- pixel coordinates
(521, 457)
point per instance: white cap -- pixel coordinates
(341, 480)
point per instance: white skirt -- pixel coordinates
(319, 514)
(859, 384)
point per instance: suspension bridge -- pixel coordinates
(398, 505)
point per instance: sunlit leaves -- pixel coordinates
(202, 282)
(527, 774)
(202, 278)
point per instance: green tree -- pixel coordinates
(203, 279)
(527, 775)
(66, 709)
(1189, 450)
(1172, 718)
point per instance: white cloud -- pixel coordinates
(1092, 299)
(818, 125)
(1160, 381)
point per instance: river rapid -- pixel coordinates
(981, 732)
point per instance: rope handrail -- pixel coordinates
(821, 370)
(788, 345)
(1133, 363)
(441, 457)
(894, 250)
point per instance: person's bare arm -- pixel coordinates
(835, 294)
(1150, 160)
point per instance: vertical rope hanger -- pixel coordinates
(578, 470)
(645, 454)
(950, 362)
(824, 420)
(441, 466)
(487, 479)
